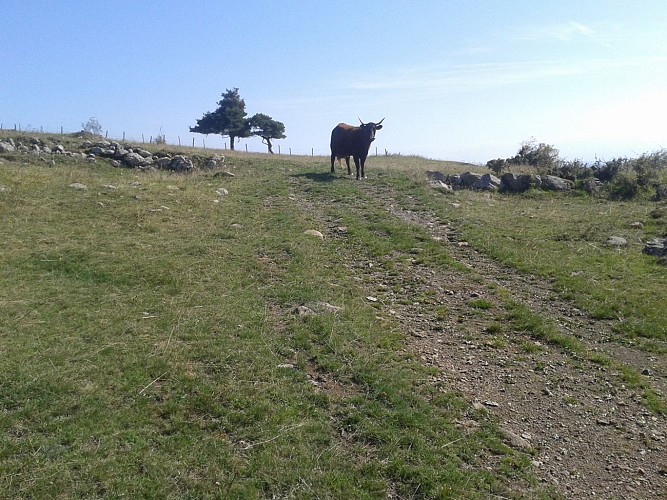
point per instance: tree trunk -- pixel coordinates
(267, 141)
(231, 142)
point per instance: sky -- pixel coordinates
(454, 80)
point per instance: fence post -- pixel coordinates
(312, 151)
(106, 134)
(179, 141)
(142, 139)
(203, 141)
(61, 130)
(193, 142)
(278, 148)
(246, 148)
(290, 151)
(123, 136)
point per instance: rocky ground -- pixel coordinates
(587, 434)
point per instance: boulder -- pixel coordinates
(518, 183)
(163, 162)
(6, 147)
(440, 186)
(453, 180)
(656, 247)
(488, 182)
(436, 176)
(591, 185)
(470, 180)
(180, 163)
(136, 160)
(215, 161)
(553, 183)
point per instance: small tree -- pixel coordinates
(267, 128)
(228, 120)
(92, 126)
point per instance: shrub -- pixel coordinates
(497, 165)
(92, 126)
(575, 170)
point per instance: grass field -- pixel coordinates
(149, 345)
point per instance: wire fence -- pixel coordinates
(195, 142)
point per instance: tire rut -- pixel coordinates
(587, 433)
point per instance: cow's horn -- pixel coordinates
(360, 120)
(378, 123)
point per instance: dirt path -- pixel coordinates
(588, 435)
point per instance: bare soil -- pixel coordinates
(587, 434)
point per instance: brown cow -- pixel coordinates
(347, 140)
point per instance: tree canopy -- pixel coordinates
(267, 128)
(230, 120)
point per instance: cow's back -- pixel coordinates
(342, 139)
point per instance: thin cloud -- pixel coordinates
(570, 31)
(488, 75)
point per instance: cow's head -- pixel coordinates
(370, 128)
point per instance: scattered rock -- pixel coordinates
(303, 311)
(329, 308)
(314, 232)
(221, 192)
(224, 174)
(516, 441)
(78, 185)
(616, 241)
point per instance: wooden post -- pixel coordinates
(143, 141)
(61, 130)
(312, 151)
(203, 141)
(246, 148)
(193, 142)
(179, 141)
(290, 151)
(123, 136)
(106, 134)
(278, 148)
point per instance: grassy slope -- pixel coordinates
(149, 348)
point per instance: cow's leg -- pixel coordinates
(363, 165)
(333, 158)
(347, 161)
(357, 164)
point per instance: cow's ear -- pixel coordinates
(378, 127)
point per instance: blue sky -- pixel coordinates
(458, 80)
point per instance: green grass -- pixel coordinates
(562, 238)
(149, 347)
